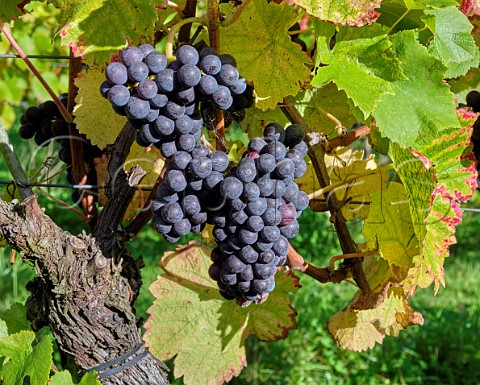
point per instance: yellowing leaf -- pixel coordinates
(368, 318)
(390, 210)
(98, 28)
(264, 52)
(190, 320)
(345, 12)
(94, 115)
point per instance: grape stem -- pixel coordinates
(189, 11)
(323, 275)
(317, 156)
(340, 127)
(331, 264)
(66, 115)
(173, 31)
(348, 180)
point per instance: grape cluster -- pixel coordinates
(263, 203)
(162, 100)
(45, 124)
(189, 195)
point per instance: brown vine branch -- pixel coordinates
(317, 156)
(347, 139)
(322, 275)
(66, 115)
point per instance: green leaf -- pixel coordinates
(314, 104)
(361, 64)
(421, 105)
(65, 378)
(344, 12)
(93, 112)
(15, 318)
(190, 320)
(98, 29)
(455, 47)
(264, 52)
(390, 210)
(12, 9)
(25, 360)
(3, 329)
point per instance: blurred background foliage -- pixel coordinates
(443, 351)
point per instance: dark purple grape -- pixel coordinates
(137, 71)
(266, 163)
(147, 134)
(172, 212)
(302, 201)
(161, 226)
(243, 286)
(294, 134)
(183, 125)
(264, 271)
(116, 73)
(207, 85)
(256, 207)
(119, 95)
(219, 161)
(131, 55)
(104, 88)
(201, 167)
(266, 185)
(270, 233)
(227, 59)
(248, 254)
(146, 49)
(189, 75)
(266, 257)
(231, 188)
(256, 145)
(274, 132)
(238, 87)
(137, 108)
(219, 234)
(186, 143)
(238, 217)
(174, 110)
(147, 89)
(212, 181)
(187, 54)
(166, 80)
(251, 191)
(271, 217)
(159, 100)
(247, 237)
(185, 96)
(164, 125)
(233, 265)
(207, 51)
(281, 246)
(222, 97)
(166, 195)
(228, 278)
(254, 223)
(277, 149)
(246, 170)
(175, 180)
(182, 228)
(167, 148)
(285, 168)
(246, 274)
(214, 271)
(191, 205)
(181, 159)
(228, 75)
(291, 230)
(27, 131)
(288, 213)
(210, 64)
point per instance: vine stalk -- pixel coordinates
(317, 156)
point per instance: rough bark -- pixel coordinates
(87, 283)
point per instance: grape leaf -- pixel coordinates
(3, 329)
(456, 181)
(358, 13)
(255, 120)
(362, 64)
(15, 318)
(24, 359)
(368, 318)
(65, 378)
(455, 48)
(190, 319)
(94, 115)
(12, 9)
(389, 209)
(97, 29)
(422, 105)
(356, 180)
(313, 105)
(264, 52)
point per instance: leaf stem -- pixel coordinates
(66, 115)
(398, 21)
(331, 264)
(173, 31)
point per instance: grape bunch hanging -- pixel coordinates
(253, 206)
(45, 124)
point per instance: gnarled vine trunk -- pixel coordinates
(87, 283)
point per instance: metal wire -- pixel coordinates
(69, 186)
(56, 57)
